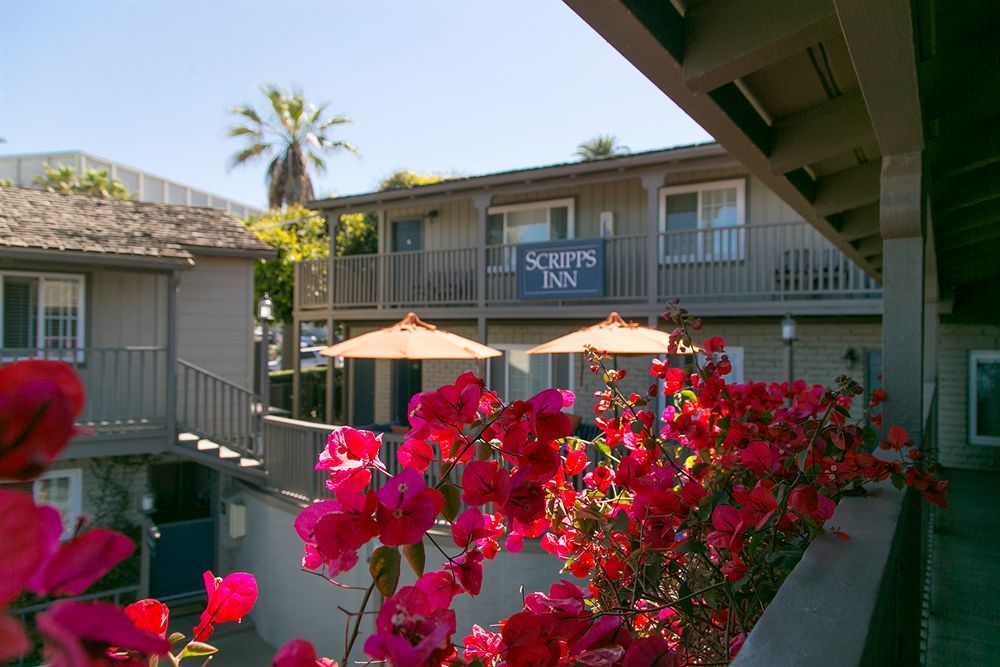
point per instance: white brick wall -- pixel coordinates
(957, 340)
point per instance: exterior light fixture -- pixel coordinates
(265, 309)
(788, 328)
(850, 358)
(148, 502)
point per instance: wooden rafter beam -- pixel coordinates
(728, 39)
(830, 129)
(859, 222)
(848, 189)
(869, 246)
(879, 38)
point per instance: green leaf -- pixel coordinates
(196, 649)
(384, 568)
(175, 637)
(602, 446)
(452, 501)
(415, 556)
(800, 459)
(898, 481)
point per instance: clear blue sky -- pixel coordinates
(457, 87)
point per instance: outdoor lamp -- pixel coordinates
(265, 309)
(788, 328)
(148, 502)
(850, 358)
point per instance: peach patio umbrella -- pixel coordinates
(410, 338)
(614, 336)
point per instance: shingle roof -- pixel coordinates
(37, 219)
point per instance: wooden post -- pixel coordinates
(331, 371)
(651, 183)
(171, 417)
(482, 204)
(293, 332)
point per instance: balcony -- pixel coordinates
(126, 387)
(775, 262)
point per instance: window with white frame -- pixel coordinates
(984, 397)
(41, 311)
(735, 376)
(703, 221)
(62, 489)
(517, 375)
(531, 222)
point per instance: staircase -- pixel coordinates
(219, 422)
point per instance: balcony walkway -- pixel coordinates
(965, 602)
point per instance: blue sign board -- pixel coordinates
(560, 269)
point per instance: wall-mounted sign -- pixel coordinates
(560, 269)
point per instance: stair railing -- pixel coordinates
(218, 409)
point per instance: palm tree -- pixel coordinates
(294, 135)
(601, 146)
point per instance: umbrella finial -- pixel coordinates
(411, 320)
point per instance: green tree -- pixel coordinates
(600, 146)
(295, 135)
(297, 234)
(6, 182)
(404, 178)
(94, 182)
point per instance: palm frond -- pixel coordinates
(248, 112)
(242, 130)
(249, 153)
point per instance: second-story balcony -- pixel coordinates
(772, 262)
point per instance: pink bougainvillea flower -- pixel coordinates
(468, 568)
(349, 456)
(39, 400)
(80, 634)
(485, 482)
(416, 455)
(29, 535)
(549, 422)
(80, 562)
(527, 499)
(440, 588)
(527, 642)
(440, 415)
(149, 615)
(229, 600)
(728, 524)
(481, 644)
(757, 457)
(14, 643)
(540, 461)
(807, 502)
(468, 527)
(298, 652)
(410, 631)
(896, 439)
(576, 461)
(651, 652)
(334, 530)
(407, 508)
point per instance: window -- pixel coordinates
(41, 311)
(517, 375)
(735, 355)
(533, 222)
(984, 397)
(703, 222)
(62, 490)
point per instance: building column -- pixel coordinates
(383, 246)
(173, 286)
(651, 183)
(482, 204)
(293, 332)
(331, 373)
(901, 225)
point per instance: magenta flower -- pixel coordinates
(229, 599)
(468, 568)
(485, 482)
(149, 615)
(415, 454)
(440, 588)
(349, 456)
(407, 508)
(81, 634)
(39, 400)
(728, 524)
(334, 530)
(29, 535)
(410, 631)
(80, 562)
(298, 652)
(14, 643)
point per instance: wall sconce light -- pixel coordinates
(788, 329)
(148, 502)
(431, 214)
(850, 358)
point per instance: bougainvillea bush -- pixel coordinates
(683, 523)
(39, 402)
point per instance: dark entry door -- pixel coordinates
(185, 548)
(363, 398)
(406, 381)
(407, 235)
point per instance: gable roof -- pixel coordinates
(111, 229)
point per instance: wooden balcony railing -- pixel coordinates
(763, 262)
(126, 387)
(215, 408)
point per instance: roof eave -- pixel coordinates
(92, 259)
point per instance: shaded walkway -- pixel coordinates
(965, 590)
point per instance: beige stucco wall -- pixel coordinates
(956, 341)
(215, 317)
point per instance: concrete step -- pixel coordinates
(249, 463)
(226, 453)
(188, 437)
(206, 445)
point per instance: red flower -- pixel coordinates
(576, 461)
(334, 530)
(79, 634)
(348, 457)
(807, 502)
(482, 645)
(469, 570)
(410, 631)
(149, 615)
(714, 344)
(896, 439)
(651, 652)
(527, 642)
(728, 525)
(298, 652)
(407, 508)
(468, 527)
(229, 599)
(485, 482)
(14, 643)
(80, 562)
(39, 400)
(415, 454)
(29, 535)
